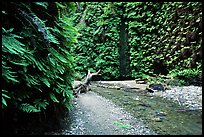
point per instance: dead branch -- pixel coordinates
(90, 75)
(84, 86)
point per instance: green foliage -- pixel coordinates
(187, 76)
(168, 31)
(97, 46)
(156, 80)
(176, 82)
(28, 108)
(187, 73)
(158, 33)
(52, 96)
(37, 67)
(40, 104)
(122, 125)
(43, 4)
(4, 96)
(153, 33)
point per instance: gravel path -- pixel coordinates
(95, 115)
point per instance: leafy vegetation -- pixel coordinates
(97, 46)
(162, 34)
(37, 67)
(186, 77)
(46, 45)
(162, 37)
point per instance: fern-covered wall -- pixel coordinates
(164, 34)
(45, 43)
(37, 67)
(97, 46)
(162, 37)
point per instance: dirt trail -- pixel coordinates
(95, 115)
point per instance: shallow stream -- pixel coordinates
(163, 116)
(148, 113)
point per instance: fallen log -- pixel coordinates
(83, 87)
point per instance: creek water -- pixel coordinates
(164, 116)
(154, 115)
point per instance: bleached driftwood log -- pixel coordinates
(84, 86)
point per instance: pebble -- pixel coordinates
(101, 114)
(190, 97)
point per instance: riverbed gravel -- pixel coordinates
(95, 115)
(189, 97)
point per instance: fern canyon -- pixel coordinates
(47, 47)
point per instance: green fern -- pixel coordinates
(45, 81)
(11, 45)
(40, 104)
(51, 37)
(36, 56)
(7, 74)
(3, 98)
(53, 97)
(28, 108)
(43, 4)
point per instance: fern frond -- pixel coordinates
(68, 103)
(3, 98)
(32, 80)
(53, 97)
(43, 4)
(51, 37)
(11, 45)
(59, 56)
(7, 74)
(45, 81)
(28, 108)
(40, 104)
(21, 63)
(67, 93)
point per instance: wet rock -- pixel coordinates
(150, 90)
(157, 87)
